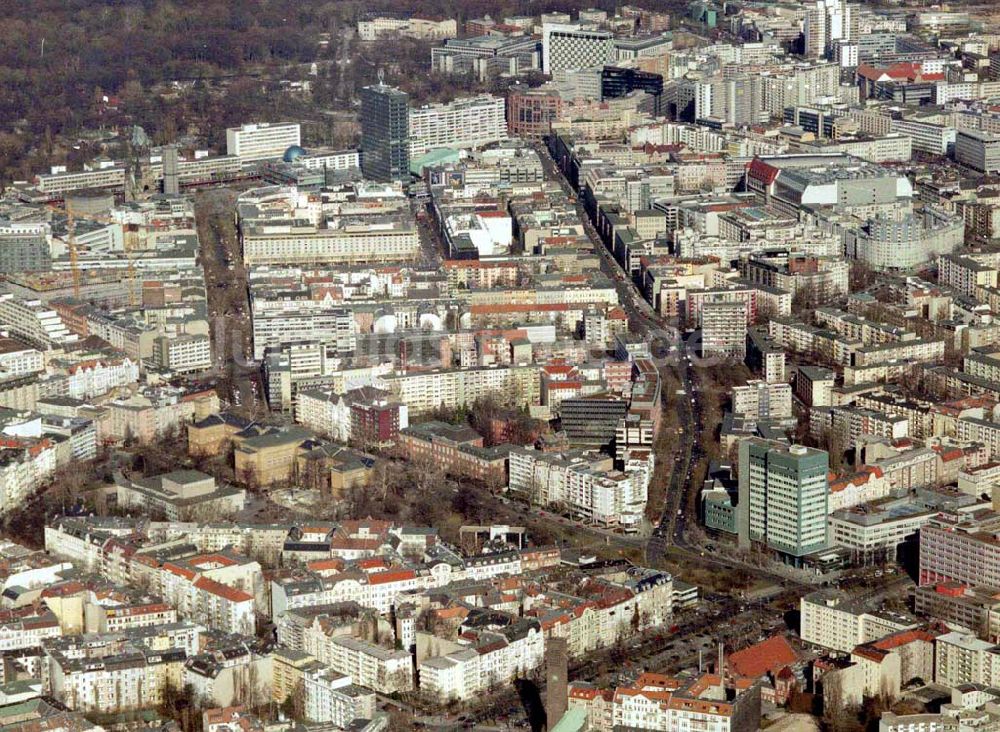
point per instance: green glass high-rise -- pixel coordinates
(783, 497)
(385, 133)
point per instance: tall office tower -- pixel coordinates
(843, 21)
(571, 47)
(385, 132)
(826, 22)
(852, 23)
(783, 496)
(815, 31)
(556, 663)
(171, 180)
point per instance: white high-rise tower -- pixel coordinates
(826, 22)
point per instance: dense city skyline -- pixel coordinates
(499, 364)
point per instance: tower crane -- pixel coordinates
(128, 242)
(74, 263)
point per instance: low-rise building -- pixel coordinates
(112, 676)
(181, 494)
(268, 456)
(457, 450)
(496, 658)
(873, 532)
(653, 701)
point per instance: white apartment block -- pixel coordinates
(361, 242)
(967, 273)
(600, 627)
(325, 412)
(54, 184)
(425, 391)
(378, 591)
(912, 350)
(34, 322)
(792, 335)
(203, 597)
(598, 494)
(830, 619)
(452, 677)
(18, 360)
(637, 710)
(369, 665)
(654, 702)
(973, 429)
(927, 137)
(964, 659)
(568, 294)
(82, 434)
(464, 123)
(864, 487)
(724, 328)
(984, 365)
(263, 541)
(183, 353)
(921, 421)
(376, 28)
(311, 335)
(68, 541)
(335, 160)
(28, 632)
(905, 242)
(761, 400)
(375, 591)
(219, 679)
(331, 698)
(225, 608)
(94, 378)
(262, 141)
(851, 424)
(978, 150)
(853, 327)
(979, 480)
(102, 618)
(135, 679)
(205, 169)
(893, 147)
(464, 674)
(21, 474)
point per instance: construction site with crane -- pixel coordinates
(153, 267)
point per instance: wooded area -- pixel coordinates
(59, 59)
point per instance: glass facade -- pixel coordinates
(385, 144)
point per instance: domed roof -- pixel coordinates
(293, 153)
